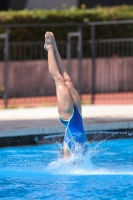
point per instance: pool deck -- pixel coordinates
(44, 120)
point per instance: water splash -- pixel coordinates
(73, 165)
(102, 158)
(83, 165)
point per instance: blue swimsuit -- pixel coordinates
(75, 137)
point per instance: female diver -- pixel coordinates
(69, 105)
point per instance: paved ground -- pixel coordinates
(31, 121)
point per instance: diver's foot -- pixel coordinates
(49, 42)
(55, 46)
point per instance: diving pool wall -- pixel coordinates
(45, 135)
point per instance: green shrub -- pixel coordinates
(72, 15)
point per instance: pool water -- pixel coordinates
(38, 172)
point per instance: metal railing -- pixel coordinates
(5, 36)
(30, 56)
(93, 31)
(89, 54)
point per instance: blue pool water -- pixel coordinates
(38, 172)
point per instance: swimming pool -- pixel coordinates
(38, 172)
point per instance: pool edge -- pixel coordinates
(44, 135)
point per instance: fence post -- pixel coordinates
(93, 62)
(79, 48)
(68, 53)
(80, 60)
(6, 52)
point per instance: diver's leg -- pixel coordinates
(65, 101)
(66, 151)
(66, 77)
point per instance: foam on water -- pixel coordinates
(65, 167)
(84, 166)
